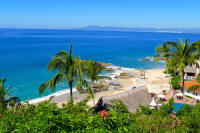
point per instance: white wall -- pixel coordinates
(191, 95)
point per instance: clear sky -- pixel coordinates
(79, 13)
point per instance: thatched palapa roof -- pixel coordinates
(132, 98)
(190, 69)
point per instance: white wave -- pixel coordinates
(58, 93)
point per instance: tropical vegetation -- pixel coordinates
(68, 70)
(178, 55)
(184, 54)
(5, 99)
(92, 70)
(78, 117)
(198, 78)
(175, 82)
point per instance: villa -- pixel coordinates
(194, 94)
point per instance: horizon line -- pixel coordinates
(72, 28)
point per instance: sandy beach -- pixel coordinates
(155, 80)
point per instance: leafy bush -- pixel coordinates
(175, 82)
(198, 78)
(78, 117)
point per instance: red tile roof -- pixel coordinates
(188, 84)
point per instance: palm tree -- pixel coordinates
(68, 70)
(92, 70)
(184, 54)
(197, 45)
(5, 99)
(162, 52)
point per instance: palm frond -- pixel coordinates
(57, 63)
(173, 44)
(193, 88)
(43, 87)
(90, 92)
(62, 53)
(55, 80)
(15, 99)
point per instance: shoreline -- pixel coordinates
(116, 72)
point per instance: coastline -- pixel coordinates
(153, 83)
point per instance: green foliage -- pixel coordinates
(167, 108)
(184, 54)
(5, 99)
(190, 118)
(92, 70)
(178, 55)
(71, 117)
(68, 70)
(162, 52)
(175, 82)
(198, 78)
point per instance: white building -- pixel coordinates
(194, 94)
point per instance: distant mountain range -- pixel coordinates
(126, 29)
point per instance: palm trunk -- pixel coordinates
(183, 81)
(172, 93)
(92, 92)
(70, 85)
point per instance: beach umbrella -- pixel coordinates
(153, 103)
(161, 96)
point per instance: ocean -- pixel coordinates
(24, 54)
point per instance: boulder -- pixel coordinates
(125, 75)
(104, 64)
(101, 86)
(108, 69)
(145, 60)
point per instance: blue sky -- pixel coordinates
(61, 14)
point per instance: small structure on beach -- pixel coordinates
(131, 98)
(142, 74)
(187, 85)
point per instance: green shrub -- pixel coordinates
(198, 78)
(175, 82)
(78, 117)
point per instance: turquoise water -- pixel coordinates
(178, 106)
(24, 54)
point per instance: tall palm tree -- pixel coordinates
(184, 54)
(92, 70)
(162, 52)
(68, 70)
